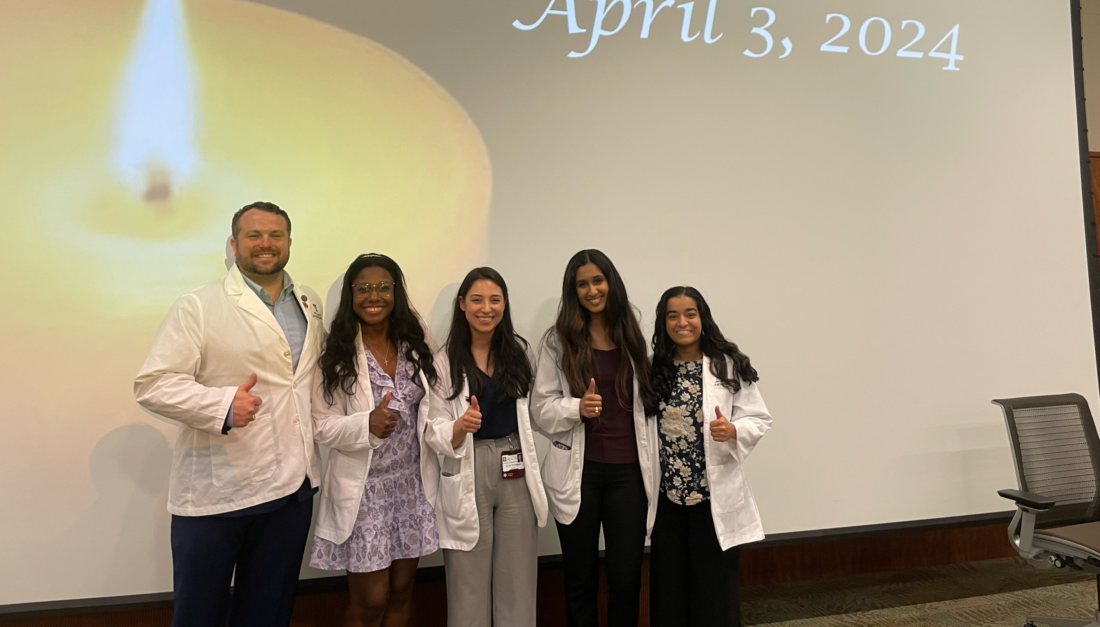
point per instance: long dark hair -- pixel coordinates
(713, 344)
(507, 351)
(339, 362)
(572, 329)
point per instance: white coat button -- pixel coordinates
(576, 466)
(469, 490)
(295, 421)
(286, 353)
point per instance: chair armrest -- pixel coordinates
(1027, 499)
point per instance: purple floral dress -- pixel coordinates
(395, 520)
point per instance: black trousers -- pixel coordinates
(692, 581)
(612, 495)
(266, 550)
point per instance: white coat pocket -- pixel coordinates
(559, 458)
(720, 453)
(343, 483)
(727, 490)
(245, 455)
(450, 496)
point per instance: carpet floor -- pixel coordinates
(993, 593)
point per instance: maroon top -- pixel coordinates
(611, 440)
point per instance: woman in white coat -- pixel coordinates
(710, 417)
(370, 408)
(592, 395)
(489, 500)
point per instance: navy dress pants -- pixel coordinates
(266, 551)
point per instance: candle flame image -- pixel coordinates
(163, 117)
(156, 117)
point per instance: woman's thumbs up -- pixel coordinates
(592, 403)
(720, 428)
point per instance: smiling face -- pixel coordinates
(262, 244)
(372, 295)
(591, 288)
(682, 322)
(484, 306)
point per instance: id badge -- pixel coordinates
(511, 463)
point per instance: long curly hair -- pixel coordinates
(572, 329)
(339, 362)
(713, 344)
(507, 350)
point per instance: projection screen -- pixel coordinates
(881, 201)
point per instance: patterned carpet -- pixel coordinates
(994, 593)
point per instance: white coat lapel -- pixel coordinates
(248, 301)
(314, 325)
(422, 414)
(462, 402)
(363, 389)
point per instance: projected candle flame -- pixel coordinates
(155, 149)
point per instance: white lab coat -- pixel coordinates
(557, 414)
(344, 427)
(208, 345)
(455, 508)
(733, 508)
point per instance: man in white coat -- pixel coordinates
(233, 363)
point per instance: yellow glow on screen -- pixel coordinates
(134, 130)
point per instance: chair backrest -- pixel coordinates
(1057, 454)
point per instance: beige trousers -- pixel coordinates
(494, 584)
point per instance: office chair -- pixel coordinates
(1057, 455)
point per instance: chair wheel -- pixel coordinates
(1029, 624)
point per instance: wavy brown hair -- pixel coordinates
(575, 340)
(713, 344)
(507, 351)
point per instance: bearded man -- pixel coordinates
(233, 363)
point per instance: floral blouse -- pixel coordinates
(683, 461)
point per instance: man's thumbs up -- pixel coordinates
(720, 428)
(245, 404)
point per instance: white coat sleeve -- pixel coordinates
(333, 427)
(750, 418)
(166, 383)
(531, 359)
(553, 409)
(441, 418)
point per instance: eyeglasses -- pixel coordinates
(382, 288)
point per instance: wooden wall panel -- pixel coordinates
(1094, 168)
(136, 618)
(884, 553)
(759, 566)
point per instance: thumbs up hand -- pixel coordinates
(591, 403)
(245, 404)
(382, 420)
(468, 422)
(721, 429)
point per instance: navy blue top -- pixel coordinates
(498, 416)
